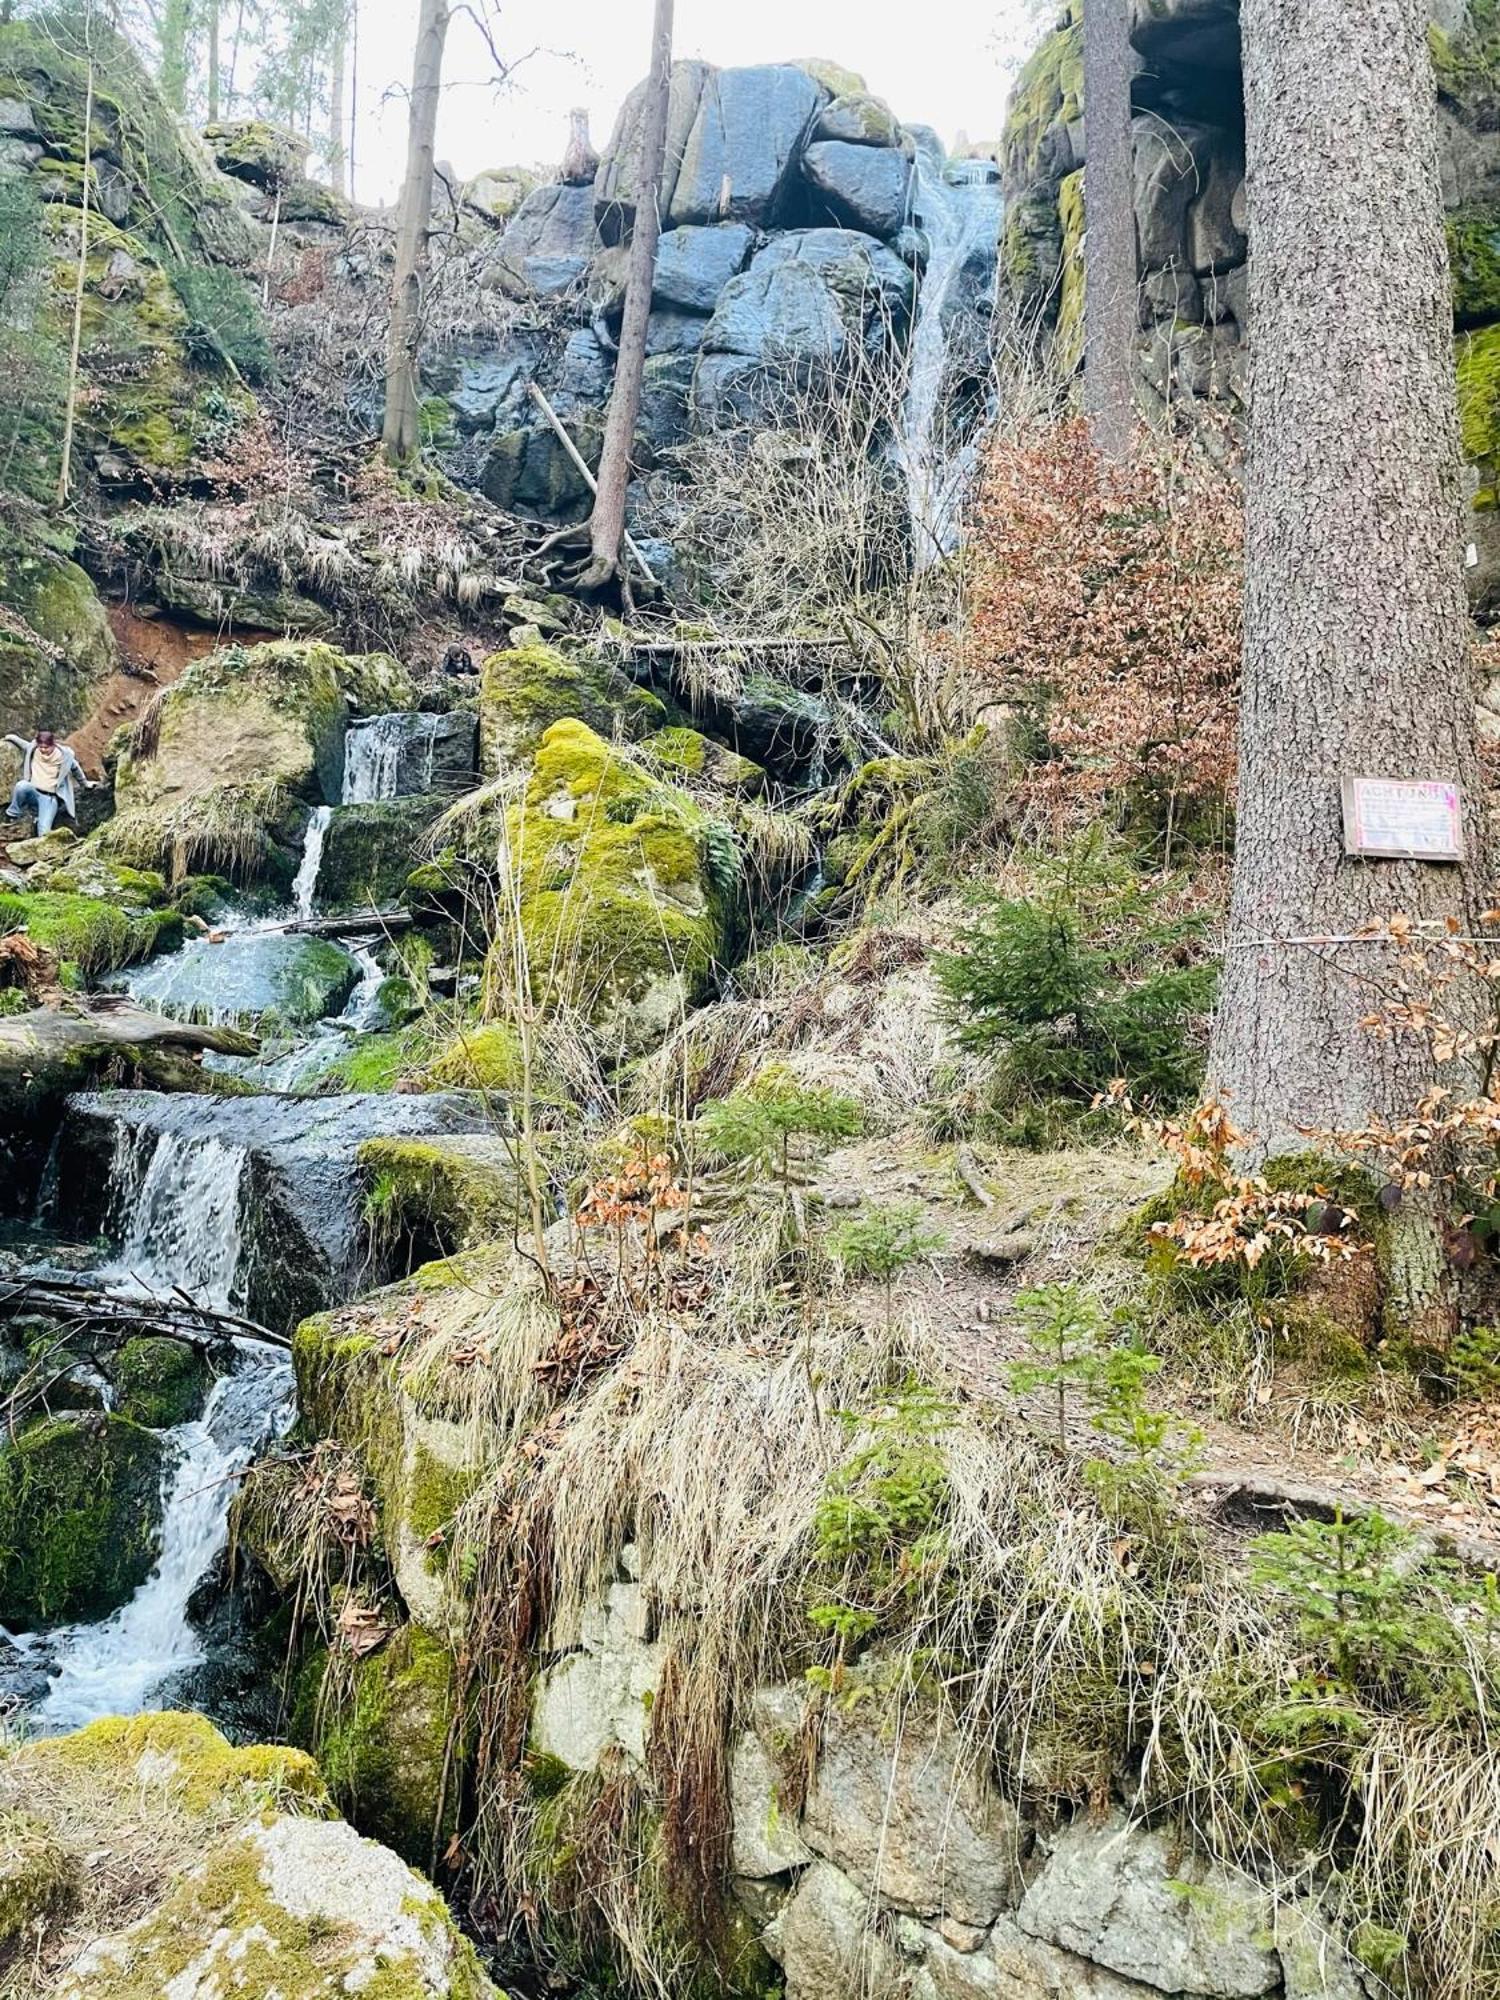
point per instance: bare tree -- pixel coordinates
(1356, 632)
(607, 526)
(413, 222)
(338, 91)
(1109, 243)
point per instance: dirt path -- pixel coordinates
(1275, 1440)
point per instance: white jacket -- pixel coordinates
(70, 764)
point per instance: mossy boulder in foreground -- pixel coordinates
(527, 688)
(80, 1518)
(247, 1887)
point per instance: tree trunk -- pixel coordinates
(413, 222)
(213, 60)
(80, 280)
(174, 53)
(1356, 628)
(1109, 241)
(607, 527)
(337, 90)
(353, 97)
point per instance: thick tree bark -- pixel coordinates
(413, 223)
(1109, 241)
(1356, 629)
(607, 526)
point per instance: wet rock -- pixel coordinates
(80, 1504)
(253, 979)
(24, 1678)
(370, 850)
(861, 186)
(1119, 1895)
(409, 753)
(160, 1383)
(741, 156)
(693, 265)
(548, 243)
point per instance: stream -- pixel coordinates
(208, 1196)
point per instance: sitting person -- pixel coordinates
(48, 769)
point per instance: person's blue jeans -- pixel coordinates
(42, 806)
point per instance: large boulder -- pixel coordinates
(264, 980)
(548, 243)
(741, 157)
(860, 186)
(56, 646)
(693, 265)
(620, 165)
(247, 1886)
(80, 1518)
(369, 851)
(1123, 1897)
(219, 772)
(621, 912)
(528, 687)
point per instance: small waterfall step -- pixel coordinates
(407, 753)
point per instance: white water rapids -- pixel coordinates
(180, 1206)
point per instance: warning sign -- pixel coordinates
(1403, 819)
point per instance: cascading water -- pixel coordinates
(959, 216)
(178, 1203)
(305, 881)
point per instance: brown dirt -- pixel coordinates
(154, 652)
(1370, 1443)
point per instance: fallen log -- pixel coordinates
(366, 923)
(106, 1315)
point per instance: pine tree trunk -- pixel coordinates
(1356, 629)
(338, 86)
(413, 222)
(174, 52)
(1109, 241)
(213, 60)
(607, 526)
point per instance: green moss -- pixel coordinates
(1070, 309)
(381, 1737)
(527, 688)
(368, 852)
(79, 1518)
(57, 646)
(487, 1057)
(1478, 361)
(95, 935)
(621, 915)
(1474, 257)
(39, 1877)
(208, 1776)
(697, 756)
(1049, 91)
(461, 1192)
(160, 1383)
(376, 1063)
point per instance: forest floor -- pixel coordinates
(1277, 1438)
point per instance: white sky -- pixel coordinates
(938, 62)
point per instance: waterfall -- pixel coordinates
(178, 1204)
(305, 882)
(390, 756)
(116, 1666)
(960, 219)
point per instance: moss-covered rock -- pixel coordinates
(626, 890)
(1478, 359)
(381, 1734)
(1048, 92)
(268, 156)
(80, 1518)
(56, 646)
(697, 756)
(368, 852)
(39, 1877)
(160, 1383)
(247, 1884)
(1474, 257)
(449, 1193)
(213, 776)
(86, 931)
(527, 688)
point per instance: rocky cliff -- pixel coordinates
(1193, 221)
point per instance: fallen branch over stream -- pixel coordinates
(109, 1316)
